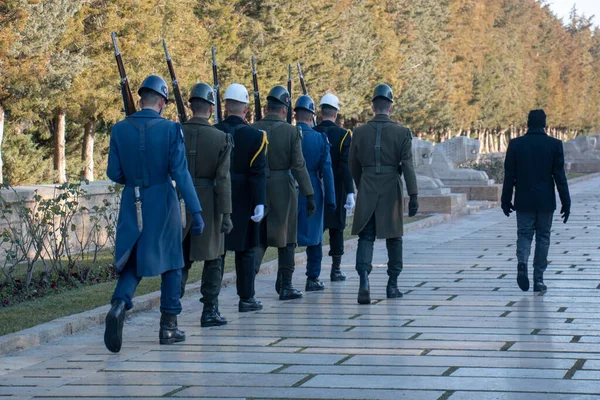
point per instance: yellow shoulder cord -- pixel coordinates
(344, 138)
(263, 145)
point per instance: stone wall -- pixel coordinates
(92, 214)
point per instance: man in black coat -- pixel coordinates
(248, 191)
(335, 220)
(534, 163)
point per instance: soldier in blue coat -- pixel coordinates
(147, 152)
(315, 148)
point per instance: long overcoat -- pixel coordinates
(284, 156)
(340, 140)
(315, 148)
(151, 166)
(208, 161)
(248, 181)
(381, 194)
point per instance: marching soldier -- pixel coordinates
(248, 189)
(335, 220)
(279, 229)
(315, 148)
(208, 160)
(146, 153)
(381, 151)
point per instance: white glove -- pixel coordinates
(259, 213)
(349, 202)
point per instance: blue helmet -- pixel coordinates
(304, 102)
(156, 84)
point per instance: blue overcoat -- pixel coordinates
(315, 148)
(159, 244)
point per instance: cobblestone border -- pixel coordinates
(73, 324)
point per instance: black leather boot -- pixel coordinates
(364, 295)
(278, 282)
(210, 316)
(168, 333)
(249, 305)
(336, 273)
(538, 281)
(184, 277)
(314, 285)
(113, 333)
(391, 290)
(288, 292)
(522, 278)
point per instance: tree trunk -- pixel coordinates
(59, 146)
(87, 152)
(1, 138)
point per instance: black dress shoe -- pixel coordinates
(522, 278)
(113, 333)
(249, 305)
(538, 282)
(210, 317)
(168, 333)
(336, 274)
(314, 285)
(364, 295)
(391, 290)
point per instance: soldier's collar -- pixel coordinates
(273, 117)
(381, 117)
(198, 121)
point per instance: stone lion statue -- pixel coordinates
(446, 158)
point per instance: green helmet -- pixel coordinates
(280, 94)
(384, 91)
(156, 84)
(203, 91)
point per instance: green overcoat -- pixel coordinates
(381, 193)
(209, 168)
(284, 155)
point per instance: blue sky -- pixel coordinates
(589, 7)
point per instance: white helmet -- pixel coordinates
(236, 92)
(330, 100)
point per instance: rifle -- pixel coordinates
(176, 90)
(128, 102)
(218, 116)
(257, 108)
(304, 91)
(289, 88)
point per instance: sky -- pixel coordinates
(562, 8)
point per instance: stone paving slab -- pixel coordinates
(463, 331)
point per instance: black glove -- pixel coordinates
(507, 208)
(311, 205)
(332, 206)
(413, 205)
(565, 211)
(197, 224)
(226, 224)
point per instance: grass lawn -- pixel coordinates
(87, 297)
(572, 175)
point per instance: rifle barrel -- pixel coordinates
(289, 88)
(176, 90)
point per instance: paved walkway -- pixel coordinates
(463, 331)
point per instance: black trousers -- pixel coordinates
(364, 253)
(336, 242)
(245, 272)
(285, 258)
(212, 274)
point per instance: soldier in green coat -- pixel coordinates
(208, 151)
(381, 151)
(285, 167)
